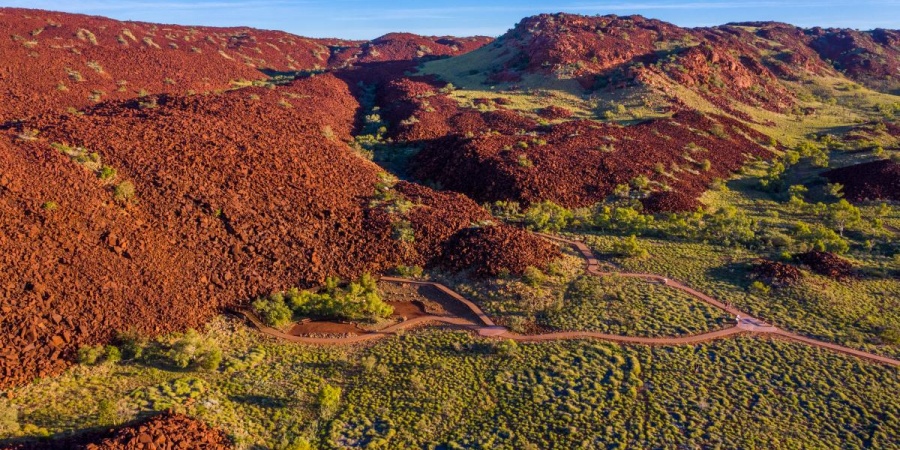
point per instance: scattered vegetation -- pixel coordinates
(452, 390)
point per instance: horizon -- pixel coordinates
(353, 19)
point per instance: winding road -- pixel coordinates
(745, 323)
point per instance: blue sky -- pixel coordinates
(365, 19)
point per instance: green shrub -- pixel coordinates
(90, 354)
(623, 219)
(170, 394)
(818, 237)
(253, 358)
(359, 300)
(273, 311)
(409, 271)
(131, 345)
(212, 359)
(124, 192)
(403, 231)
(533, 276)
(328, 399)
(9, 418)
(547, 216)
(524, 161)
(107, 173)
(629, 247)
(107, 413)
(185, 350)
(890, 334)
(718, 130)
(759, 289)
(507, 347)
(112, 354)
(299, 444)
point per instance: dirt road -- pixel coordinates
(745, 323)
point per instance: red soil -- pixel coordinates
(409, 310)
(461, 157)
(826, 263)
(872, 57)
(245, 192)
(437, 217)
(444, 235)
(554, 112)
(776, 272)
(876, 180)
(475, 249)
(792, 58)
(226, 209)
(319, 327)
(163, 432)
(580, 163)
(416, 112)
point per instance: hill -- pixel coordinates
(592, 221)
(150, 212)
(60, 61)
(751, 89)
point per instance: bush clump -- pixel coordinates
(547, 216)
(273, 311)
(90, 354)
(124, 191)
(185, 350)
(358, 300)
(629, 247)
(9, 418)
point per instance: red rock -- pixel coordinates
(57, 341)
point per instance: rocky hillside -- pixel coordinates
(141, 189)
(695, 102)
(164, 431)
(60, 61)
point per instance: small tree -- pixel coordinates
(835, 190)
(112, 354)
(843, 214)
(273, 311)
(796, 193)
(758, 288)
(547, 216)
(328, 399)
(630, 247)
(641, 183)
(185, 350)
(622, 191)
